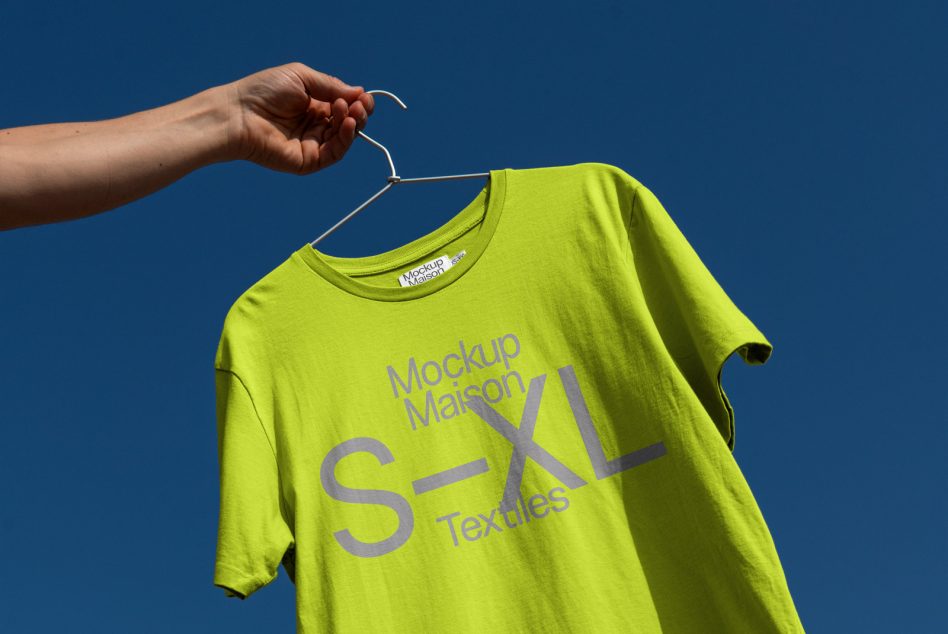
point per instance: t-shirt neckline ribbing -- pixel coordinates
(337, 269)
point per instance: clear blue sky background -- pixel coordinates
(800, 147)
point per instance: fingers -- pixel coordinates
(346, 100)
(358, 112)
(333, 146)
(337, 146)
(348, 132)
(347, 109)
(325, 87)
(368, 101)
(340, 110)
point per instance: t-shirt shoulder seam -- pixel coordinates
(253, 404)
(635, 201)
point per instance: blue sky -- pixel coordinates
(800, 146)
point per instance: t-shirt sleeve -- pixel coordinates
(253, 533)
(700, 325)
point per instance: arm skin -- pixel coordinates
(289, 118)
(61, 171)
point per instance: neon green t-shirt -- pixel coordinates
(514, 423)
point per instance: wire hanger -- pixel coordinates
(394, 178)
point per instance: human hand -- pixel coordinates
(292, 118)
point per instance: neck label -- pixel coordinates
(424, 272)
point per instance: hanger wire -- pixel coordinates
(394, 178)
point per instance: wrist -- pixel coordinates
(227, 104)
(214, 114)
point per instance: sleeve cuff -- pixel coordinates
(237, 583)
(755, 349)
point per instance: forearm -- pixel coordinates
(61, 171)
(30, 134)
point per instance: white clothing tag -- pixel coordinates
(424, 272)
(455, 259)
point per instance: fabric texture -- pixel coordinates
(514, 423)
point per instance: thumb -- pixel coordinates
(325, 87)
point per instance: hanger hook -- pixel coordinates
(389, 94)
(394, 178)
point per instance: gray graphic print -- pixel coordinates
(520, 437)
